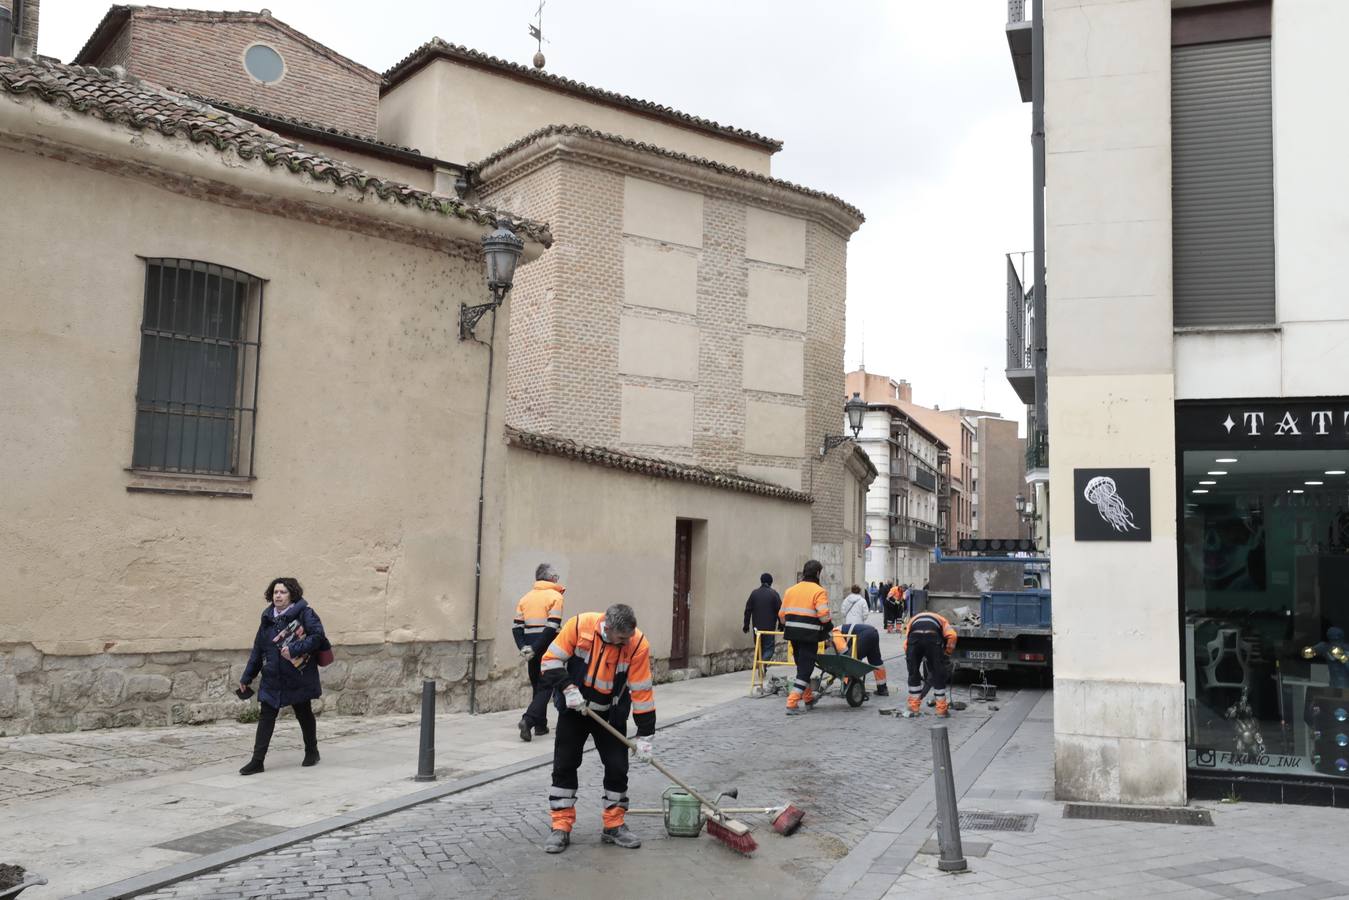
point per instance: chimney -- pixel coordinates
(906, 392)
(24, 29)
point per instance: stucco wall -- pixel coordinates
(611, 535)
(477, 112)
(1118, 717)
(368, 430)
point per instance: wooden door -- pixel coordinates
(679, 634)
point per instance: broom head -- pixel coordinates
(788, 820)
(733, 834)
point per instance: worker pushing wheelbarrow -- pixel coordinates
(840, 667)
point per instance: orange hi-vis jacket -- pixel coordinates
(805, 612)
(895, 594)
(612, 677)
(930, 623)
(538, 616)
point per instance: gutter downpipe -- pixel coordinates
(1037, 138)
(482, 486)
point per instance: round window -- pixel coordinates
(264, 63)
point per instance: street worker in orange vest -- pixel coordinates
(600, 660)
(538, 616)
(929, 638)
(805, 622)
(894, 608)
(868, 648)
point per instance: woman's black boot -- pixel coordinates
(254, 767)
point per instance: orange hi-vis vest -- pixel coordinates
(612, 677)
(932, 624)
(805, 612)
(538, 612)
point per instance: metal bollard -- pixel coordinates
(426, 756)
(948, 817)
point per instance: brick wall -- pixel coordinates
(826, 258)
(204, 57)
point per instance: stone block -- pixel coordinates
(171, 658)
(124, 660)
(148, 687)
(200, 713)
(94, 719)
(353, 703)
(384, 704)
(187, 685)
(334, 677)
(127, 718)
(9, 696)
(1086, 768)
(69, 689)
(376, 674)
(68, 663)
(20, 659)
(154, 717)
(53, 724)
(446, 665)
(109, 687)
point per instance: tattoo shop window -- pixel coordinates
(196, 397)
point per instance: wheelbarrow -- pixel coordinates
(848, 672)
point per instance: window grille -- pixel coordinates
(197, 394)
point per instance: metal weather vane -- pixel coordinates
(536, 32)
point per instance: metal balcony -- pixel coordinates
(1037, 451)
(925, 479)
(1020, 328)
(1018, 42)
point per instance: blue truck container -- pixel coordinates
(1027, 609)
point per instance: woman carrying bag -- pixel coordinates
(286, 652)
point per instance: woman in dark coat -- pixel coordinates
(285, 651)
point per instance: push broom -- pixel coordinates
(730, 832)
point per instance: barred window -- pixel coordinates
(196, 397)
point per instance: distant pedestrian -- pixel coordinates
(874, 597)
(538, 616)
(285, 652)
(854, 607)
(761, 611)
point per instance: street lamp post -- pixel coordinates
(501, 250)
(856, 408)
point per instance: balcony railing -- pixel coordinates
(904, 530)
(924, 478)
(1037, 451)
(1020, 327)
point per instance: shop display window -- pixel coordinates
(1265, 601)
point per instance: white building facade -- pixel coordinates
(1195, 225)
(901, 503)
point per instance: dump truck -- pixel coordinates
(1000, 607)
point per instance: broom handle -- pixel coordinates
(660, 768)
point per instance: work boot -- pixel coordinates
(311, 757)
(810, 698)
(914, 706)
(881, 691)
(540, 729)
(254, 767)
(622, 836)
(526, 731)
(557, 841)
(794, 703)
(943, 709)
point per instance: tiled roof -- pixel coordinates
(439, 48)
(118, 15)
(112, 96)
(656, 468)
(584, 131)
(240, 109)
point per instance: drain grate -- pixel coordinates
(1153, 814)
(991, 821)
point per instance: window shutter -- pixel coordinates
(1222, 183)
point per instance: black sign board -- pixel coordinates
(1320, 424)
(1112, 505)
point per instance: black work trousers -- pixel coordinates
(537, 712)
(304, 714)
(804, 652)
(573, 728)
(929, 649)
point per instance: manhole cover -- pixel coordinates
(991, 821)
(1154, 814)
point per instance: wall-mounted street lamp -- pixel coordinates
(501, 250)
(856, 408)
(1025, 509)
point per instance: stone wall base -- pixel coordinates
(42, 693)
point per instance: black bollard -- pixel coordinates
(948, 817)
(426, 756)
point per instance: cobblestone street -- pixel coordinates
(845, 767)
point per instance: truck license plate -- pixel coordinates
(984, 654)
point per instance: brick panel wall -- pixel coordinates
(826, 257)
(206, 58)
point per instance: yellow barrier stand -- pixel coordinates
(759, 672)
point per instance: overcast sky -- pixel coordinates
(908, 110)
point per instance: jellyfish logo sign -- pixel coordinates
(1112, 505)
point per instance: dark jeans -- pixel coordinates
(572, 730)
(931, 650)
(767, 644)
(805, 653)
(537, 713)
(304, 714)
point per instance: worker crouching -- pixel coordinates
(869, 648)
(929, 638)
(603, 661)
(805, 622)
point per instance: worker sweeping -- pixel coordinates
(805, 622)
(869, 648)
(929, 638)
(600, 660)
